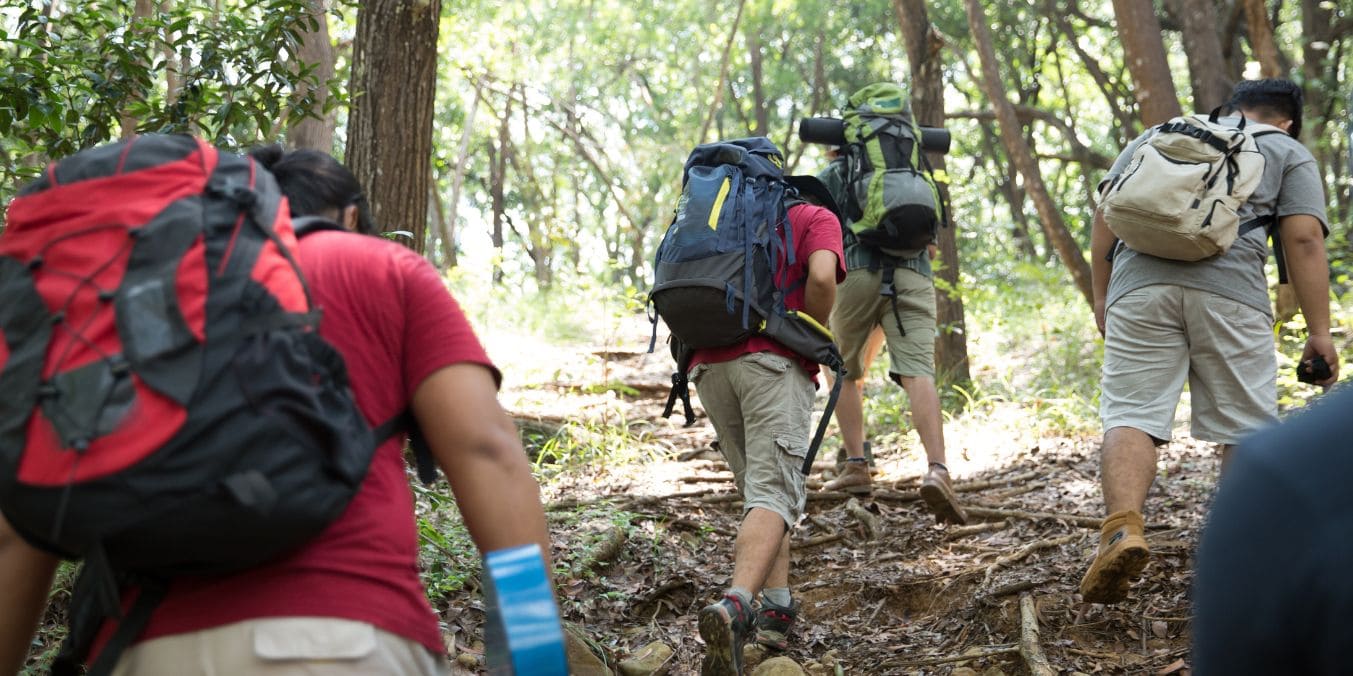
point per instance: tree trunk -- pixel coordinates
(498, 176)
(1202, 46)
(448, 220)
(924, 47)
(315, 132)
(1053, 225)
(140, 13)
(394, 78)
(723, 76)
(759, 111)
(1265, 48)
(1145, 53)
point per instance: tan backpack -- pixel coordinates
(1180, 192)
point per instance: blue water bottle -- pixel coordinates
(523, 635)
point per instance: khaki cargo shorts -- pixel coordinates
(761, 405)
(1156, 337)
(282, 646)
(859, 308)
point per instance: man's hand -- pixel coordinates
(1099, 316)
(1322, 346)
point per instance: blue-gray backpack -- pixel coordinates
(715, 283)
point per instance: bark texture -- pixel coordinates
(390, 123)
(1054, 227)
(1145, 52)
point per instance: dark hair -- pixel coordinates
(1272, 96)
(315, 182)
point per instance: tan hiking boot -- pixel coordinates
(854, 478)
(939, 496)
(1123, 554)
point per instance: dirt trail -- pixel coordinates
(651, 542)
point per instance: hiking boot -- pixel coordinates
(773, 624)
(724, 626)
(1123, 554)
(854, 478)
(939, 496)
(841, 457)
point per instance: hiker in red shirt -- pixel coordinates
(350, 601)
(759, 396)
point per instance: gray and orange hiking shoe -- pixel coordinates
(724, 627)
(939, 496)
(1123, 553)
(773, 624)
(853, 478)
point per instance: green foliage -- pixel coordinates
(74, 72)
(447, 557)
(1033, 341)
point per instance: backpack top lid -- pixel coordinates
(758, 157)
(880, 98)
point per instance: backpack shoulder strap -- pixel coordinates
(404, 421)
(306, 225)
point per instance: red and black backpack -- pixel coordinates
(169, 406)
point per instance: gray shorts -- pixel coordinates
(1158, 336)
(761, 405)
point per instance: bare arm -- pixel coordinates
(1308, 271)
(1101, 243)
(476, 445)
(25, 578)
(819, 294)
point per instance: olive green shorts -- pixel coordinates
(859, 308)
(761, 405)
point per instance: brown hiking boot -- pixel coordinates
(1123, 554)
(939, 496)
(854, 478)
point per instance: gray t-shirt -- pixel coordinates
(1290, 186)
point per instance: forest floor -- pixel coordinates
(647, 537)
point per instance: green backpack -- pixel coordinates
(892, 200)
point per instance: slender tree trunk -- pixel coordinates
(449, 221)
(171, 67)
(924, 48)
(497, 177)
(141, 12)
(1202, 46)
(315, 132)
(1145, 53)
(1126, 123)
(394, 79)
(1261, 39)
(759, 112)
(723, 76)
(1053, 225)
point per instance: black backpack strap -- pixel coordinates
(838, 366)
(887, 290)
(1269, 223)
(130, 627)
(422, 452)
(306, 225)
(95, 598)
(681, 387)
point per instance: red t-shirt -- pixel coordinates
(388, 313)
(814, 229)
